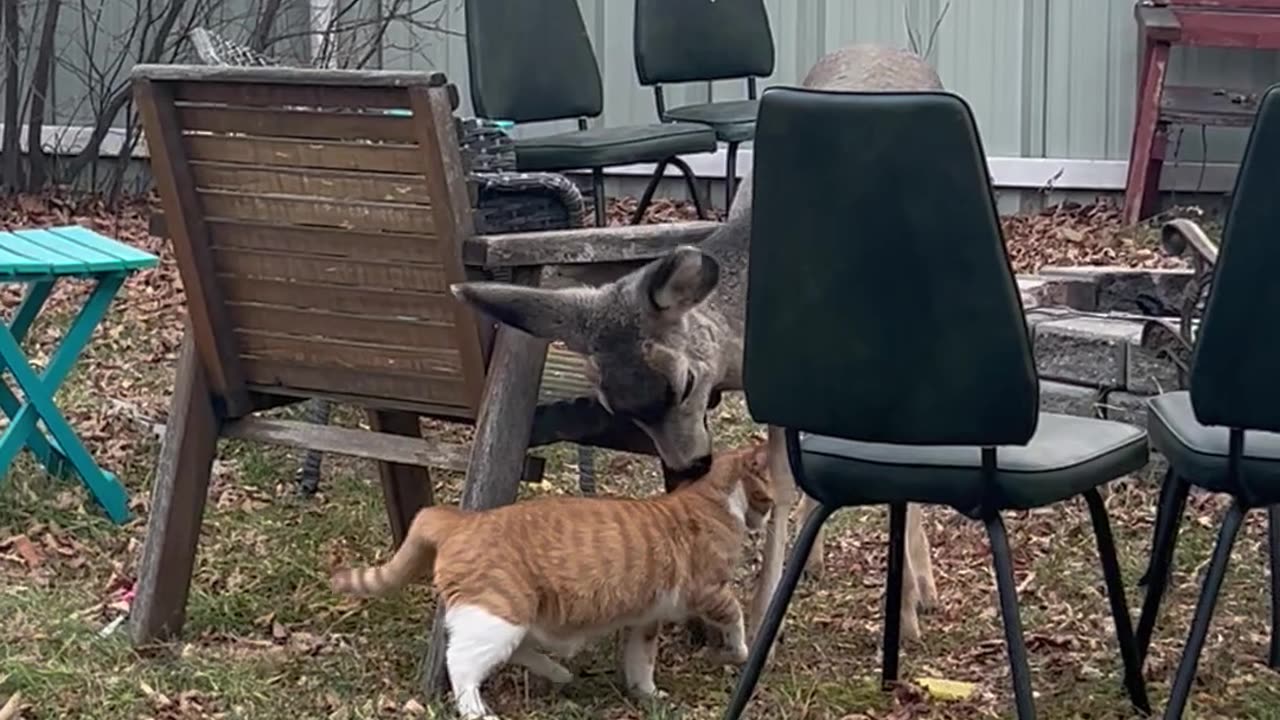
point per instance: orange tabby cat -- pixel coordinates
(552, 573)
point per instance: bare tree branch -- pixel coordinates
(36, 160)
(10, 175)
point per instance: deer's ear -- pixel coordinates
(674, 284)
(560, 314)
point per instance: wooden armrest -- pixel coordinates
(1159, 22)
(1180, 235)
(583, 245)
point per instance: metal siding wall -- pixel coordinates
(1091, 82)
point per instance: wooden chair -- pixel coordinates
(316, 234)
(1162, 24)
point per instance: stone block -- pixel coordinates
(1147, 372)
(1068, 399)
(1126, 407)
(1148, 291)
(1090, 351)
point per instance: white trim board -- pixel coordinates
(1006, 172)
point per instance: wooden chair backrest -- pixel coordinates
(317, 218)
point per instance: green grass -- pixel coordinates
(265, 638)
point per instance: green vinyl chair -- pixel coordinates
(872, 214)
(677, 41)
(1223, 435)
(532, 61)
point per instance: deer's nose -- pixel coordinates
(674, 478)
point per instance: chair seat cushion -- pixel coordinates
(1198, 453)
(1067, 456)
(732, 120)
(606, 146)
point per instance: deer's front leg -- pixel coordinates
(918, 558)
(776, 533)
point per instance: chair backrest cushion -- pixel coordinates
(317, 217)
(881, 305)
(531, 61)
(1235, 374)
(683, 41)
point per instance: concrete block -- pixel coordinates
(1149, 373)
(1149, 291)
(1126, 407)
(1068, 399)
(1089, 351)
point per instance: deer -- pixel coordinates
(664, 339)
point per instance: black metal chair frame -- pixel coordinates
(731, 159)
(1005, 585)
(1185, 238)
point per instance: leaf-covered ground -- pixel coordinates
(265, 638)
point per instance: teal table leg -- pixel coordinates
(32, 303)
(39, 392)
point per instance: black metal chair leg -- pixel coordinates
(586, 470)
(1173, 501)
(772, 619)
(893, 593)
(1133, 680)
(598, 198)
(1019, 667)
(691, 181)
(1273, 541)
(649, 189)
(731, 176)
(1204, 611)
(1162, 518)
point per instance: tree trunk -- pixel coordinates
(39, 92)
(11, 172)
(266, 23)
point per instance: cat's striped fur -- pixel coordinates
(551, 573)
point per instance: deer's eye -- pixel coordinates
(688, 387)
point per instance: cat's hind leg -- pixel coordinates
(479, 641)
(720, 608)
(639, 658)
(539, 664)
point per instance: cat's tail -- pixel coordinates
(416, 556)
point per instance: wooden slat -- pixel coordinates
(342, 326)
(340, 298)
(320, 242)
(320, 269)
(336, 184)
(277, 75)
(438, 363)
(209, 324)
(303, 210)
(297, 123)
(280, 95)
(446, 178)
(564, 376)
(274, 375)
(584, 245)
(305, 153)
(362, 444)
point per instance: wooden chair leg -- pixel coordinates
(1155, 58)
(499, 448)
(177, 504)
(405, 488)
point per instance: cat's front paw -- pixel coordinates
(647, 691)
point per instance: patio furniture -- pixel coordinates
(316, 235)
(965, 433)
(505, 201)
(39, 258)
(507, 40)
(1251, 24)
(677, 41)
(1223, 435)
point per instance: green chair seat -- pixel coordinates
(605, 146)
(1200, 451)
(732, 120)
(1067, 456)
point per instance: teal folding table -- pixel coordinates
(38, 259)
